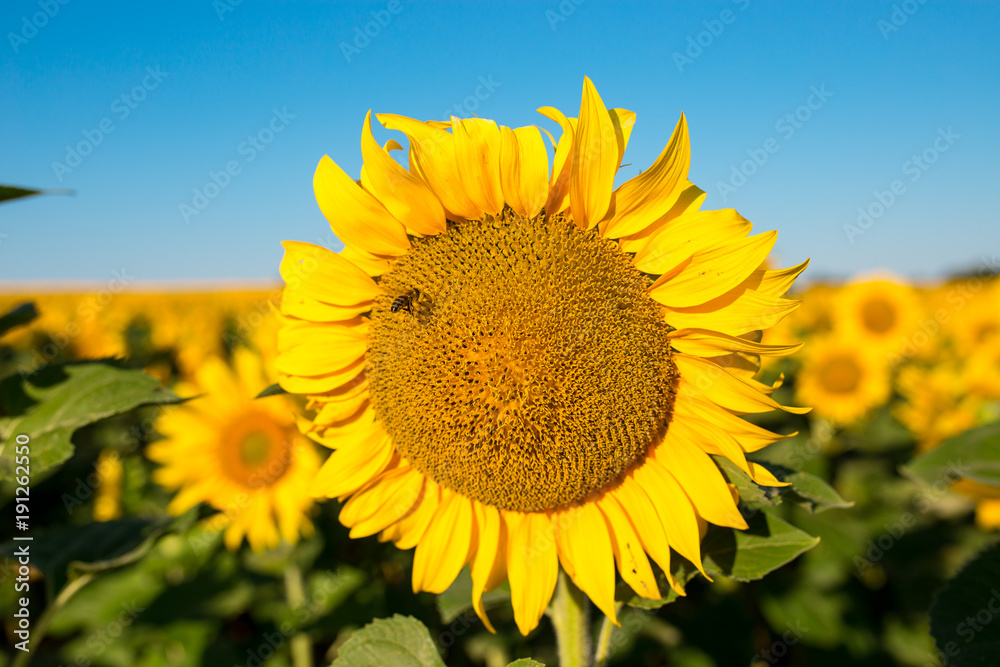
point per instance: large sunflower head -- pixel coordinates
(244, 457)
(520, 367)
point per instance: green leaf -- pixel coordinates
(526, 662)
(271, 390)
(94, 547)
(813, 493)
(745, 555)
(61, 398)
(11, 192)
(806, 490)
(400, 641)
(974, 455)
(683, 571)
(20, 316)
(958, 613)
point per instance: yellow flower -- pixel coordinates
(938, 404)
(242, 456)
(842, 380)
(108, 501)
(500, 396)
(881, 315)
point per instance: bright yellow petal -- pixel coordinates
(349, 468)
(325, 276)
(750, 436)
(477, 158)
(650, 195)
(674, 509)
(738, 312)
(595, 160)
(356, 217)
(487, 551)
(686, 235)
(629, 554)
(688, 203)
(405, 195)
(641, 510)
(706, 343)
(712, 272)
(724, 388)
(432, 155)
(306, 348)
(524, 169)
(585, 550)
(410, 529)
(623, 121)
(444, 548)
(562, 164)
(699, 476)
(532, 566)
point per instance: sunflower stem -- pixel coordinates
(295, 594)
(570, 617)
(603, 651)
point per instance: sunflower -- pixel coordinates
(881, 315)
(520, 368)
(843, 380)
(242, 456)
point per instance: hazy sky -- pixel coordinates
(800, 114)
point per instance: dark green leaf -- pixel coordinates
(683, 572)
(806, 490)
(20, 316)
(974, 455)
(745, 555)
(271, 390)
(93, 547)
(526, 662)
(962, 612)
(65, 397)
(751, 494)
(400, 641)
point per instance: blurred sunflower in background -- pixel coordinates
(244, 457)
(520, 368)
(843, 380)
(878, 314)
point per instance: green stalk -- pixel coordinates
(603, 651)
(570, 617)
(295, 594)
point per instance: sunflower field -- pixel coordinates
(522, 417)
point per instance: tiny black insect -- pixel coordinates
(405, 301)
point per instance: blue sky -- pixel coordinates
(840, 104)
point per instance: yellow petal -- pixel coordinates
(307, 348)
(629, 554)
(444, 548)
(640, 509)
(674, 509)
(688, 234)
(736, 313)
(724, 388)
(712, 272)
(761, 475)
(642, 200)
(595, 160)
(408, 531)
(623, 121)
(397, 498)
(405, 195)
(584, 542)
(532, 566)
(688, 202)
(750, 436)
(477, 158)
(323, 275)
(318, 384)
(372, 265)
(777, 282)
(524, 169)
(706, 343)
(699, 476)
(562, 163)
(348, 468)
(356, 217)
(432, 156)
(487, 551)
